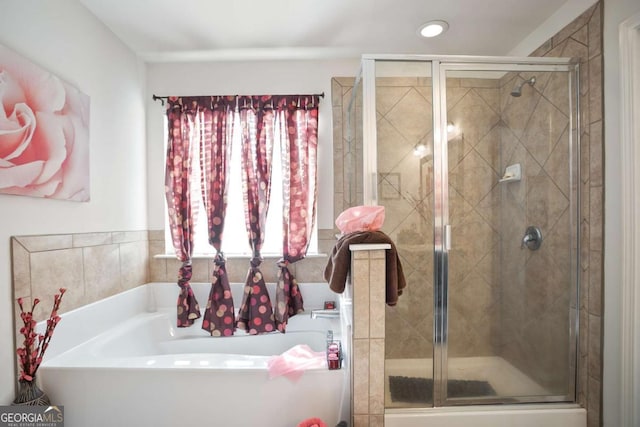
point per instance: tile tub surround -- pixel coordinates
(92, 266)
(309, 270)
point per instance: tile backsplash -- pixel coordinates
(91, 266)
(308, 270)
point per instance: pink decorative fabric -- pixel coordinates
(293, 362)
(209, 119)
(188, 308)
(181, 211)
(299, 165)
(289, 301)
(299, 172)
(256, 313)
(215, 130)
(215, 127)
(312, 422)
(257, 154)
(219, 316)
(361, 218)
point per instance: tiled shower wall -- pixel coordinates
(581, 39)
(401, 105)
(474, 213)
(536, 286)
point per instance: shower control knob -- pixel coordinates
(532, 239)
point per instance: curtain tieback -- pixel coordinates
(282, 263)
(256, 261)
(184, 275)
(219, 260)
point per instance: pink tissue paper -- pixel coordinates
(293, 362)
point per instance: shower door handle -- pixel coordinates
(374, 186)
(447, 237)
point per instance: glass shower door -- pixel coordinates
(404, 178)
(476, 164)
(511, 199)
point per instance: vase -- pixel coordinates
(30, 394)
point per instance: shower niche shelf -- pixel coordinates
(512, 173)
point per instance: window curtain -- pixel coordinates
(181, 211)
(205, 125)
(299, 144)
(215, 150)
(257, 121)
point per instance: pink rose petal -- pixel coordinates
(16, 132)
(19, 176)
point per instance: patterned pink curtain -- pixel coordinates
(257, 121)
(215, 151)
(182, 213)
(209, 122)
(299, 144)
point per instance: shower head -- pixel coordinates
(517, 90)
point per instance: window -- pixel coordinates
(235, 240)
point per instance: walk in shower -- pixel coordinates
(476, 162)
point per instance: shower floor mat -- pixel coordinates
(504, 378)
(420, 390)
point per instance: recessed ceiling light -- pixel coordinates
(433, 28)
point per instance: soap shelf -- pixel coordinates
(512, 173)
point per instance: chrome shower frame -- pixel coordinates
(440, 65)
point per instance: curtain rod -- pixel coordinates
(162, 98)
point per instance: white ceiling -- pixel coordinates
(173, 30)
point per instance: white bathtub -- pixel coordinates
(123, 362)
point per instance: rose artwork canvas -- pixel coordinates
(44, 132)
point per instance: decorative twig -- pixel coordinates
(35, 345)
